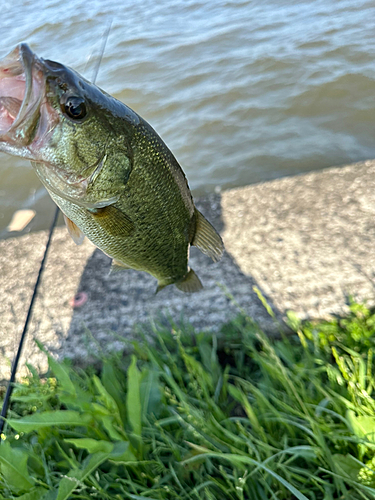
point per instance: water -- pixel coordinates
(241, 91)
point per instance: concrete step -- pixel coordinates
(306, 242)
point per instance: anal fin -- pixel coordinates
(74, 231)
(190, 284)
(118, 266)
(206, 238)
(159, 288)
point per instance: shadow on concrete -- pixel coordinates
(119, 302)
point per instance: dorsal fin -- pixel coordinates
(74, 231)
(206, 238)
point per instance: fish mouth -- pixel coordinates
(22, 84)
(28, 121)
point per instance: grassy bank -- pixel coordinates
(196, 416)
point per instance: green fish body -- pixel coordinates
(112, 176)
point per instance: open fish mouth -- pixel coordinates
(29, 125)
(22, 85)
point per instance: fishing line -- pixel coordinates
(15, 363)
(102, 49)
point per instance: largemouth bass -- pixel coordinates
(110, 173)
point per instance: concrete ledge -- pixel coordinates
(306, 241)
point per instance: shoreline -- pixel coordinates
(305, 241)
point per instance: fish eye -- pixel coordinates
(74, 107)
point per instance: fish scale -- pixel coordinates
(112, 176)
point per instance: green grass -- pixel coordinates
(234, 415)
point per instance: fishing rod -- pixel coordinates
(8, 394)
(15, 363)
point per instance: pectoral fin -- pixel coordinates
(74, 231)
(113, 220)
(206, 238)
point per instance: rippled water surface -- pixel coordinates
(241, 91)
